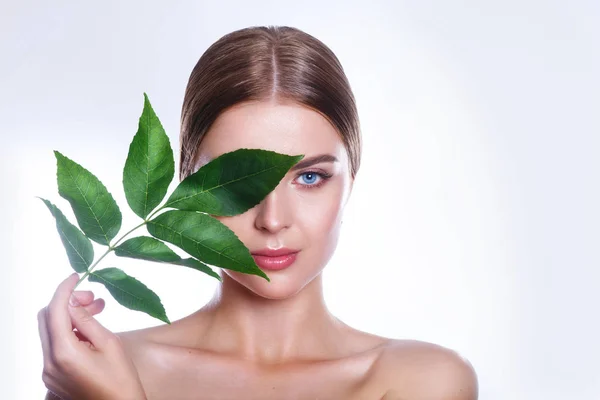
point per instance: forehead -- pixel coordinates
(287, 128)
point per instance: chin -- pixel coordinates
(283, 285)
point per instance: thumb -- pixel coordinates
(87, 325)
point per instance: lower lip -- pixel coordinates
(274, 263)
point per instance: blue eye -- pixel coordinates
(311, 180)
(312, 177)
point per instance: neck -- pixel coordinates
(300, 327)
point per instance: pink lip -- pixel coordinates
(274, 260)
(283, 251)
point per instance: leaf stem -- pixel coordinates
(92, 267)
(154, 213)
(110, 248)
(123, 237)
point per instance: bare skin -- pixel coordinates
(277, 340)
(350, 364)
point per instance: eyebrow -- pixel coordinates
(307, 162)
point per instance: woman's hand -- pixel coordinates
(90, 363)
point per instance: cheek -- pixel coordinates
(319, 215)
(318, 221)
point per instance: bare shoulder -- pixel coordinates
(137, 342)
(145, 343)
(410, 369)
(152, 334)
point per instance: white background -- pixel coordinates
(474, 222)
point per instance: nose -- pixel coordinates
(273, 213)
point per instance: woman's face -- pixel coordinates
(304, 211)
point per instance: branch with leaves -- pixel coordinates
(229, 185)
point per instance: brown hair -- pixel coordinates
(262, 63)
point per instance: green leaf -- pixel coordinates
(150, 167)
(96, 211)
(205, 238)
(79, 248)
(130, 292)
(151, 249)
(232, 183)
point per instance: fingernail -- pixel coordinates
(73, 301)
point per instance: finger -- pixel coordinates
(84, 297)
(87, 325)
(96, 306)
(93, 307)
(59, 321)
(44, 336)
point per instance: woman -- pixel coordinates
(280, 89)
